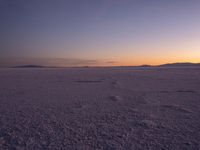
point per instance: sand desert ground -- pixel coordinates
(119, 108)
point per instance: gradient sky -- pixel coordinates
(99, 32)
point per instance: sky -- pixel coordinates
(99, 32)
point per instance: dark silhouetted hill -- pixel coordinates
(29, 66)
(145, 66)
(187, 64)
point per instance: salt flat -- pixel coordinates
(100, 108)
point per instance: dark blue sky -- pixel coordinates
(98, 32)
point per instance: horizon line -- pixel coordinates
(93, 66)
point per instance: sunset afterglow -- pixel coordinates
(99, 33)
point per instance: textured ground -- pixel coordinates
(100, 108)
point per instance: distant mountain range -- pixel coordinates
(30, 66)
(185, 64)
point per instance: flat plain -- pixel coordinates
(115, 108)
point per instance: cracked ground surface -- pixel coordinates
(100, 108)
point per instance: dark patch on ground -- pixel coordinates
(186, 91)
(88, 81)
